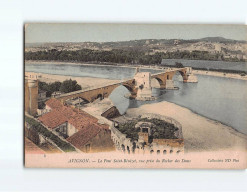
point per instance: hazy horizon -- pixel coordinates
(62, 33)
(124, 41)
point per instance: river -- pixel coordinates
(240, 66)
(218, 98)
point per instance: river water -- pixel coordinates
(218, 98)
(241, 66)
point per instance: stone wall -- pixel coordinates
(178, 133)
(158, 146)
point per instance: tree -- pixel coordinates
(179, 65)
(49, 87)
(69, 86)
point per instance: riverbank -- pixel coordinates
(154, 67)
(220, 74)
(200, 133)
(85, 82)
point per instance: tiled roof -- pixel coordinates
(53, 119)
(79, 121)
(82, 137)
(63, 114)
(54, 103)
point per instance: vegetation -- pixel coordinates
(197, 55)
(87, 55)
(127, 55)
(66, 147)
(179, 65)
(41, 105)
(65, 87)
(49, 87)
(129, 129)
(194, 55)
(69, 86)
(160, 129)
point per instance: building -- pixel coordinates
(56, 94)
(64, 119)
(31, 94)
(53, 104)
(143, 82)
(93, 138)
(76, 102)
(78, 127)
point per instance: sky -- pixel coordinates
(45, 32)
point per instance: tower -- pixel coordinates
(143, 83)
(31, 94)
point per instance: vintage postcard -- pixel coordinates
(135, 96)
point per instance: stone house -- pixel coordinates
(93, 138)
(81, 129)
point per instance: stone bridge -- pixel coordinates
(164, 79)
(101, 92)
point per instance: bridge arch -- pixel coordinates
(177, 76)
(130, 88)
(100, 96)
(156, 82)
(183, 74)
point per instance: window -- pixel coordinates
(145, 130)
(88, 147)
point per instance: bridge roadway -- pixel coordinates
(104, 91)
(98, 92)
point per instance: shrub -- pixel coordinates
(162, 129)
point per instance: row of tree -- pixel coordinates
(65, 87)
(198, 55)
(87, 55)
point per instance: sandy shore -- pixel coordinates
(220, 74)
(85, 82)
(200, 133)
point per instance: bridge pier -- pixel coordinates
(163, 86)
(188, 76)
(191, 78)
(170, 84)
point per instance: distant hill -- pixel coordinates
(207, 48)
(142, 42)
(221, 40)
